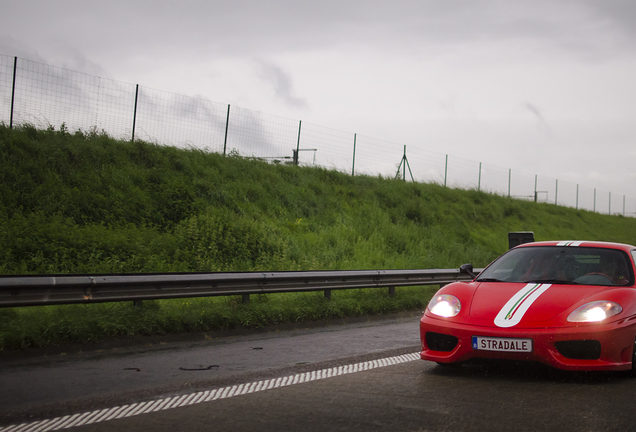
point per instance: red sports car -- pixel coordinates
(568, 304)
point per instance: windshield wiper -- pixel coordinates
(488, 280)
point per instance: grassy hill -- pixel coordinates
(85, 203)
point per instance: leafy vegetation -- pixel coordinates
(85, 203)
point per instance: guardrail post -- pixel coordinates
(137, 303)
(392, 292)
(245, 299)
(328, 294)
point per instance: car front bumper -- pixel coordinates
(616, 344)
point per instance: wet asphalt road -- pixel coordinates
(411, 396)
(63, 383)
(415, 396)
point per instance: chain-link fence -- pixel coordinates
(44, 96)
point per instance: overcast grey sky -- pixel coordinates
(544, 87)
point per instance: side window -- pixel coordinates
(634, 255)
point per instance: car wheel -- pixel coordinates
(632, 371)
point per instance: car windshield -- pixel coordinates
(564, 265)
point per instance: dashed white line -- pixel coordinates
(134, 409)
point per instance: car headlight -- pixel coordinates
(595, 311)
(444, 305)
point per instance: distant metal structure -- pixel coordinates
(519, 237)
(404, 163)
(298, 150)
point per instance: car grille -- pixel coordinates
(440, 342)
(580, 349)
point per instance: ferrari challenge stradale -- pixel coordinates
(570, 305)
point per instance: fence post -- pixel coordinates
(446, 171)
(623, 205)
(15, 67)
(479, 181)
(609, 209)
(556, 192)
(300, 125)
(535, 187)
(577, 196)
(594, 200)
(135, 112)
(509, 180)
(227, 123)
(353, 165)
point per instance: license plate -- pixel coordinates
(502, 344)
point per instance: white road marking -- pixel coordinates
(134, 409)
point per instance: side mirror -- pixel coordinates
(468, 269)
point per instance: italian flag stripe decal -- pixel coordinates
(569, 243)
(526, 294)
(512, 312)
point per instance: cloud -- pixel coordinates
(12, 47)
(198, 28)
(371, 66)
(74, 59)
(542, 124)
(282, 84)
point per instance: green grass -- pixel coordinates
(85, 203)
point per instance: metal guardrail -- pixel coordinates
(71, 289)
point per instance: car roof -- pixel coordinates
(582, 243)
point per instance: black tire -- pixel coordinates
(632, 371)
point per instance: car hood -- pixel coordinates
(526, 304)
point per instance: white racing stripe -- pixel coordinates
(130, 410)
(510, 315)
